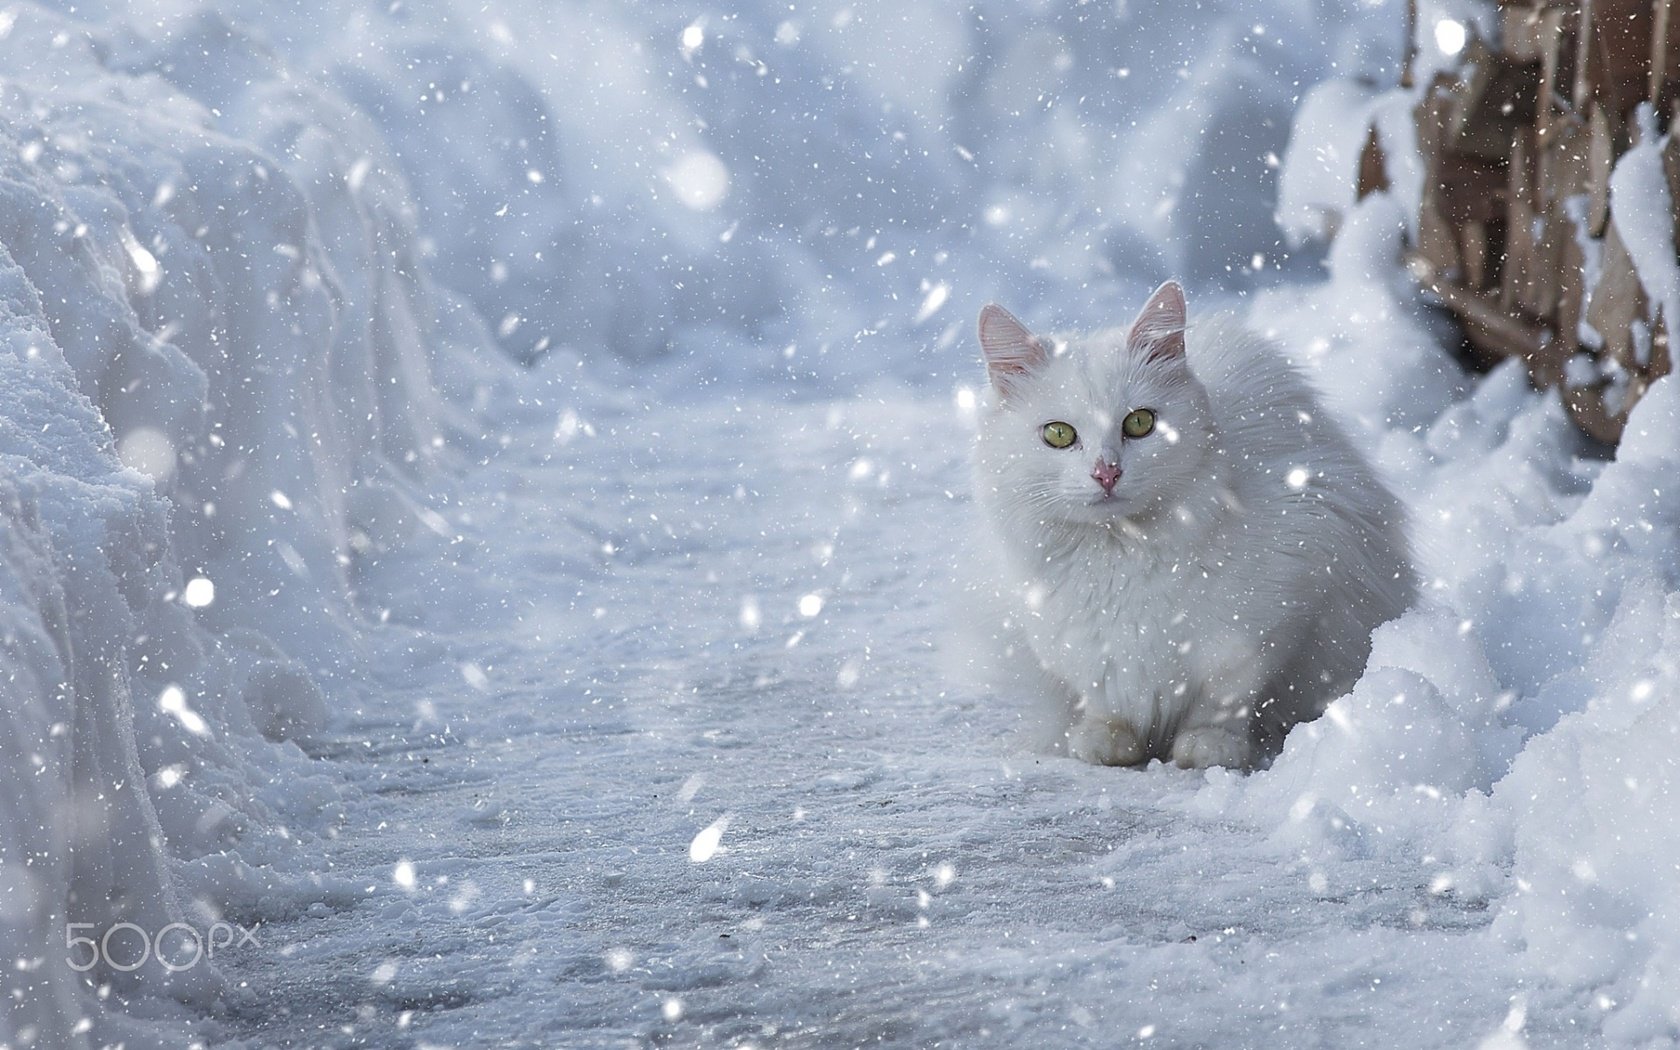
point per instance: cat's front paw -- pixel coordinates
(1105, 742)
(1207, 746)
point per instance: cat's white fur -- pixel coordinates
(1228, 586)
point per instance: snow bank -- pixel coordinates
(1592, 803)
(86, 568)
(217, 345)
(1511, 740)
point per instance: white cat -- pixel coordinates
(1193, 554)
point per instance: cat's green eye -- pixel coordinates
(1059, 434)
(1138, 423)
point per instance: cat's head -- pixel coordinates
(1097, 428)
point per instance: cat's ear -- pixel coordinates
(1159, 328)
(1011, 352)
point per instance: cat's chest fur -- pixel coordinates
(1124, 624)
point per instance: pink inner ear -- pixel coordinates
(1159, 328)
(1010, 350)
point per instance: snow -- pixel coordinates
(683, 808)
(1644, 215)
(1315, 190)
(1498, 741)
(204, 378)
(1319, 179)
(610, 699)
(77, 526)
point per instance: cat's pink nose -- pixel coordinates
(1106, 474)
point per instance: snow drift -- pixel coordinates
(217, 346)
(1511, 739)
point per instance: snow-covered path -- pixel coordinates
(649, 734)
(892, 870)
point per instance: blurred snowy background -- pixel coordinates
(477, 484)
